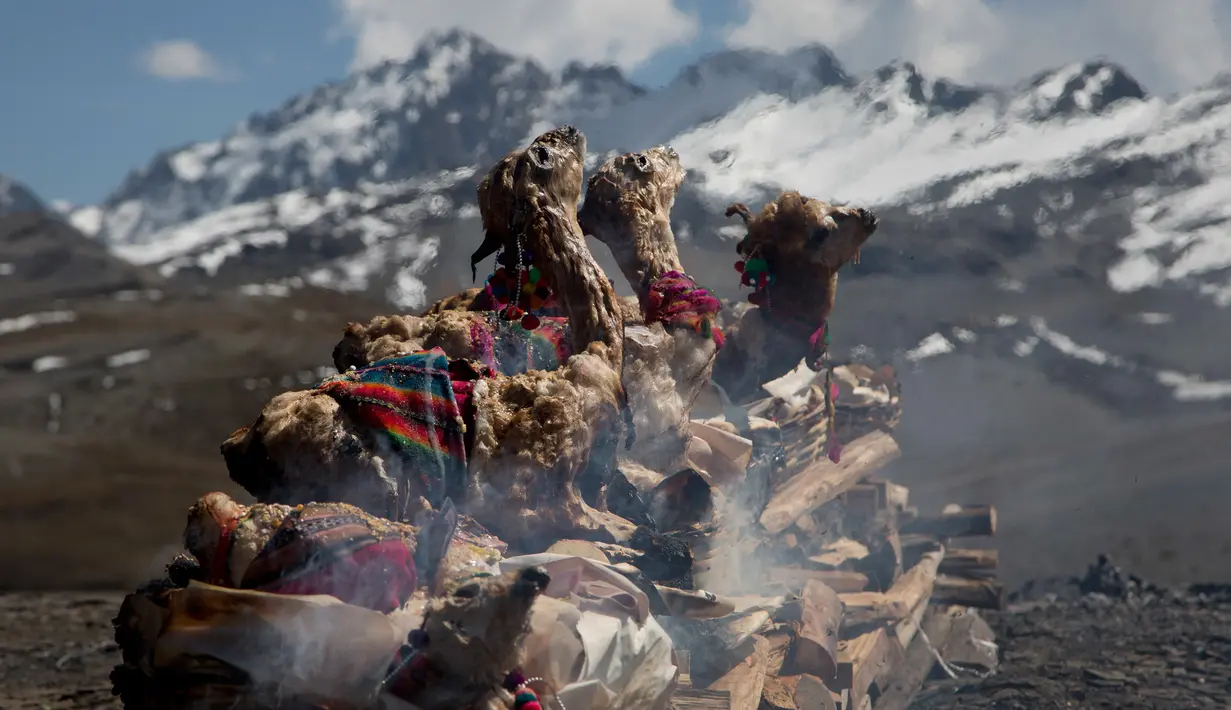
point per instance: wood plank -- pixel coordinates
(956, 521)
(795, 578)
(745, 681)
(900, 601)
(823, 480)
(977, 593)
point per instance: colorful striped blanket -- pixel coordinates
(327, 548)
(411, 400)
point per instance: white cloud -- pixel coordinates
(623, 32)
(1167, 46)
(178, 60)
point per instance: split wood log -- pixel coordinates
(697, 699)
(977, 593)
(823, 480)
(745, 681)
(903, 598)
(838, 553)
(811, 693)
(778, 690)
(904, 682)
(796, 578)
(861, 660)
(965, 521)
(820, 619)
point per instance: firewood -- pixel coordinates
(967, 521)
(795, 578)
(900, 601)
(971, 564)
(905, 680)
(811, 693)
(861, 660)
(824, 480)
(977, 593)
(820, 619)
(695, 699)
(745, 681)
(839, 553)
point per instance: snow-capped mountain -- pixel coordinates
(1074, 178)
(16, 198)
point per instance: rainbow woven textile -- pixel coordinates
(410, 399)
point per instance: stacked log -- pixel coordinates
(871, 590)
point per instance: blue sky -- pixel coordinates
(81, 110)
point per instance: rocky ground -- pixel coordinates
(1108, 641)
(1121, 643)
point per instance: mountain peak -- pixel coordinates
(1082, 88)
(16, 198)
(794, 73)
(899, 87)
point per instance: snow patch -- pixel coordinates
(931, 346)
(47, 363)
(34, 320)
(128, 357)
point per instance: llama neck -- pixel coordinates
(585, 294)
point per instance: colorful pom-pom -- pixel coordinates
(739, 266)
(756, 265)
(535, 274)
(529, 321)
